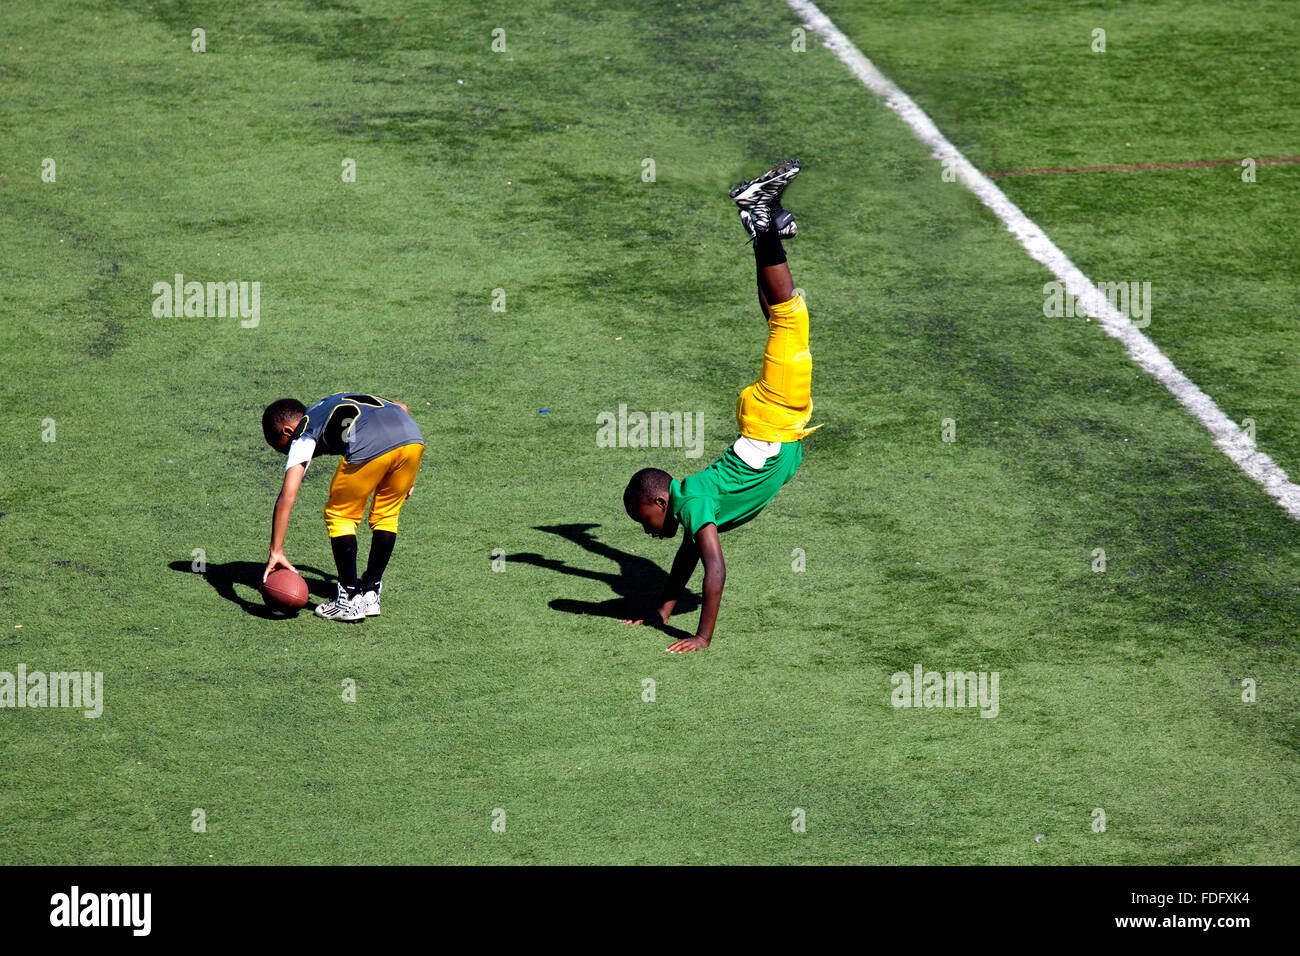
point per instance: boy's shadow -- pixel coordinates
(637, 582)
(224, 577)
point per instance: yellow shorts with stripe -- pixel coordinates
(389, 478)
(777, 407)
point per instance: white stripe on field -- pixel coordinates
(1232, 441)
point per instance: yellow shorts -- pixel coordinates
(388, 477)
(777, 407)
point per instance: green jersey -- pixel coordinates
(729, 492)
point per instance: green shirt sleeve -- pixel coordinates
(695, 513)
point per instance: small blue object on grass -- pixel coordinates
(542, 411)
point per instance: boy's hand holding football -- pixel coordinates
(277, 561)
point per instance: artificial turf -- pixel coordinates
(514, 690)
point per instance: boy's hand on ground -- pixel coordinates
(411, 491)
(278, 561)
(686, 645)
(653, 618)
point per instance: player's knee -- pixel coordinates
(338, 524)
(384, 524)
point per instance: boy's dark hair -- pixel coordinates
(278, 414)
(646, 485)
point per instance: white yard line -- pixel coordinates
(1232, 441)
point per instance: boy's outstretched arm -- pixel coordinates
(280, 519)
(715, 578)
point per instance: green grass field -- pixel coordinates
(515, 690)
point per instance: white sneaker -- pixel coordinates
(368, 601)
(342, 608)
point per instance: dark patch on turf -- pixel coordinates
(108, 302)
(463, 126)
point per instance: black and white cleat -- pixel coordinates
(760, 201)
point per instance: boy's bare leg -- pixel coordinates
(774, 285)
(774, 281)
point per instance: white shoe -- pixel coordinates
(368, 601)
(342, 608)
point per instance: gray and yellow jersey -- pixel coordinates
(358, 426)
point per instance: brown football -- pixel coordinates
(285, 589)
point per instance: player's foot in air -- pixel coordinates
(368, 600)
(760, 201)
(342, 608)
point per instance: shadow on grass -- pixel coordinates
(637, 583)
(224, 577)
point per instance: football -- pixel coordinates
(285, 589)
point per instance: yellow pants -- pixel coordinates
(777, 407)
(388, 477)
